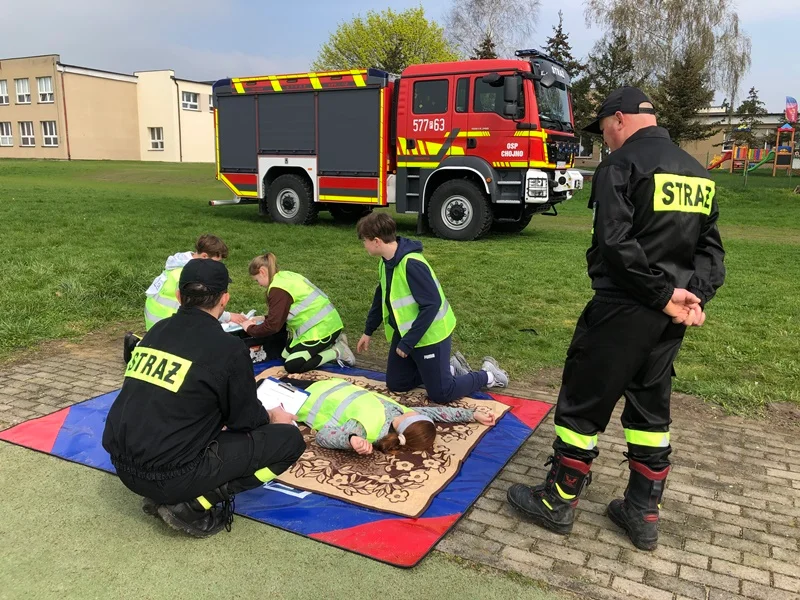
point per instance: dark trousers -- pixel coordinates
(243, 460)
(272, 345)
(618, 350)
(430, 366)
(304, 357)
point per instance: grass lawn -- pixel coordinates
(85, 239)
(73, 532)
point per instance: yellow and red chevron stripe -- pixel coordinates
(353, 78)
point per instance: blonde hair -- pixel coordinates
(268, 261)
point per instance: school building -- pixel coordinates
(49, 109)
(704, 150)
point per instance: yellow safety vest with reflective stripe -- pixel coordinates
(312, 316)
(406, 309)
(165, 303)
(335, 401)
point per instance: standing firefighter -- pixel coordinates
(656, 259)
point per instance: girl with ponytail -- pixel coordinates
(403, 428)
(315, 329)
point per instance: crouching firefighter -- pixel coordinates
(187, 380)
(655, 261)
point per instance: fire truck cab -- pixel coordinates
(466, 146)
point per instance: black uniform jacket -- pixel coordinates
(655, 223)
(187, 378)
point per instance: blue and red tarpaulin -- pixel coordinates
(75, 434)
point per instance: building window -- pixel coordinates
(156, 138)
(45, 90)
(3, 92)
(585, 147)
(6, 138)
(430, 97)
(49, 134)
(26, 137)
(23, 91)
(190, 101)
(211, 103)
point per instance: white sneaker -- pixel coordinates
(460, 365)
(500, 377)
(344, 356)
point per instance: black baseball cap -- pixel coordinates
(211, 273)
(627, 100)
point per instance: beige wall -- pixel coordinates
(158, 107)
(35, 112)
(102, 117)
(197, 126)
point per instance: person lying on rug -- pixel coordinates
(316, 330)
(186, 381)
(349, 417)
(417, 320)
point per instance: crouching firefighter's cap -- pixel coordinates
(212, 274)
(627, 100)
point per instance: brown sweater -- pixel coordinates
(278, 304)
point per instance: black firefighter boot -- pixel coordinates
(637, 512)
(200, 519)
(552, 504)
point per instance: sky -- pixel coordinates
(214, 39)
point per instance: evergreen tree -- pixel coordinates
(681, 93)
(749, 111)
(485, 50)
(558, 47)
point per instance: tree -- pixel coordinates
(748, 112)
(485, 50)
(610, 66)
(388, 40)
(680, 95)
(659, 30)
(558, 47)
(509, 23)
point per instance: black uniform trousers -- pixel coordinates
(618, 349)
(307, 356)
(243, 460)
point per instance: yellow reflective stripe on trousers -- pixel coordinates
(573, 438)
(265, 475)
(653, 439)
(204, 503)
(563, 494)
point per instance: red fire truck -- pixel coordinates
(466, 146)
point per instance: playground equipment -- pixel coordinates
(718, 159)
(769, 156)
(783, 152)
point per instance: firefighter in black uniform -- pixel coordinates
(655, 260)
(186, 380)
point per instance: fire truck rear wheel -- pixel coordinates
(290, 199)
(459, 210)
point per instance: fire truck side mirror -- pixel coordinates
(511, 89)
(491, 78)
(510, 95)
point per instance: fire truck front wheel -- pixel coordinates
(459, 210)
(290, 199)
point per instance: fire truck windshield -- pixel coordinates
(553, 104)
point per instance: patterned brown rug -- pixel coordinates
(404, 483)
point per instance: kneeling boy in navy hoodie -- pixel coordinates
(417, 319)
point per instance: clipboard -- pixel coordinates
(272, 393)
